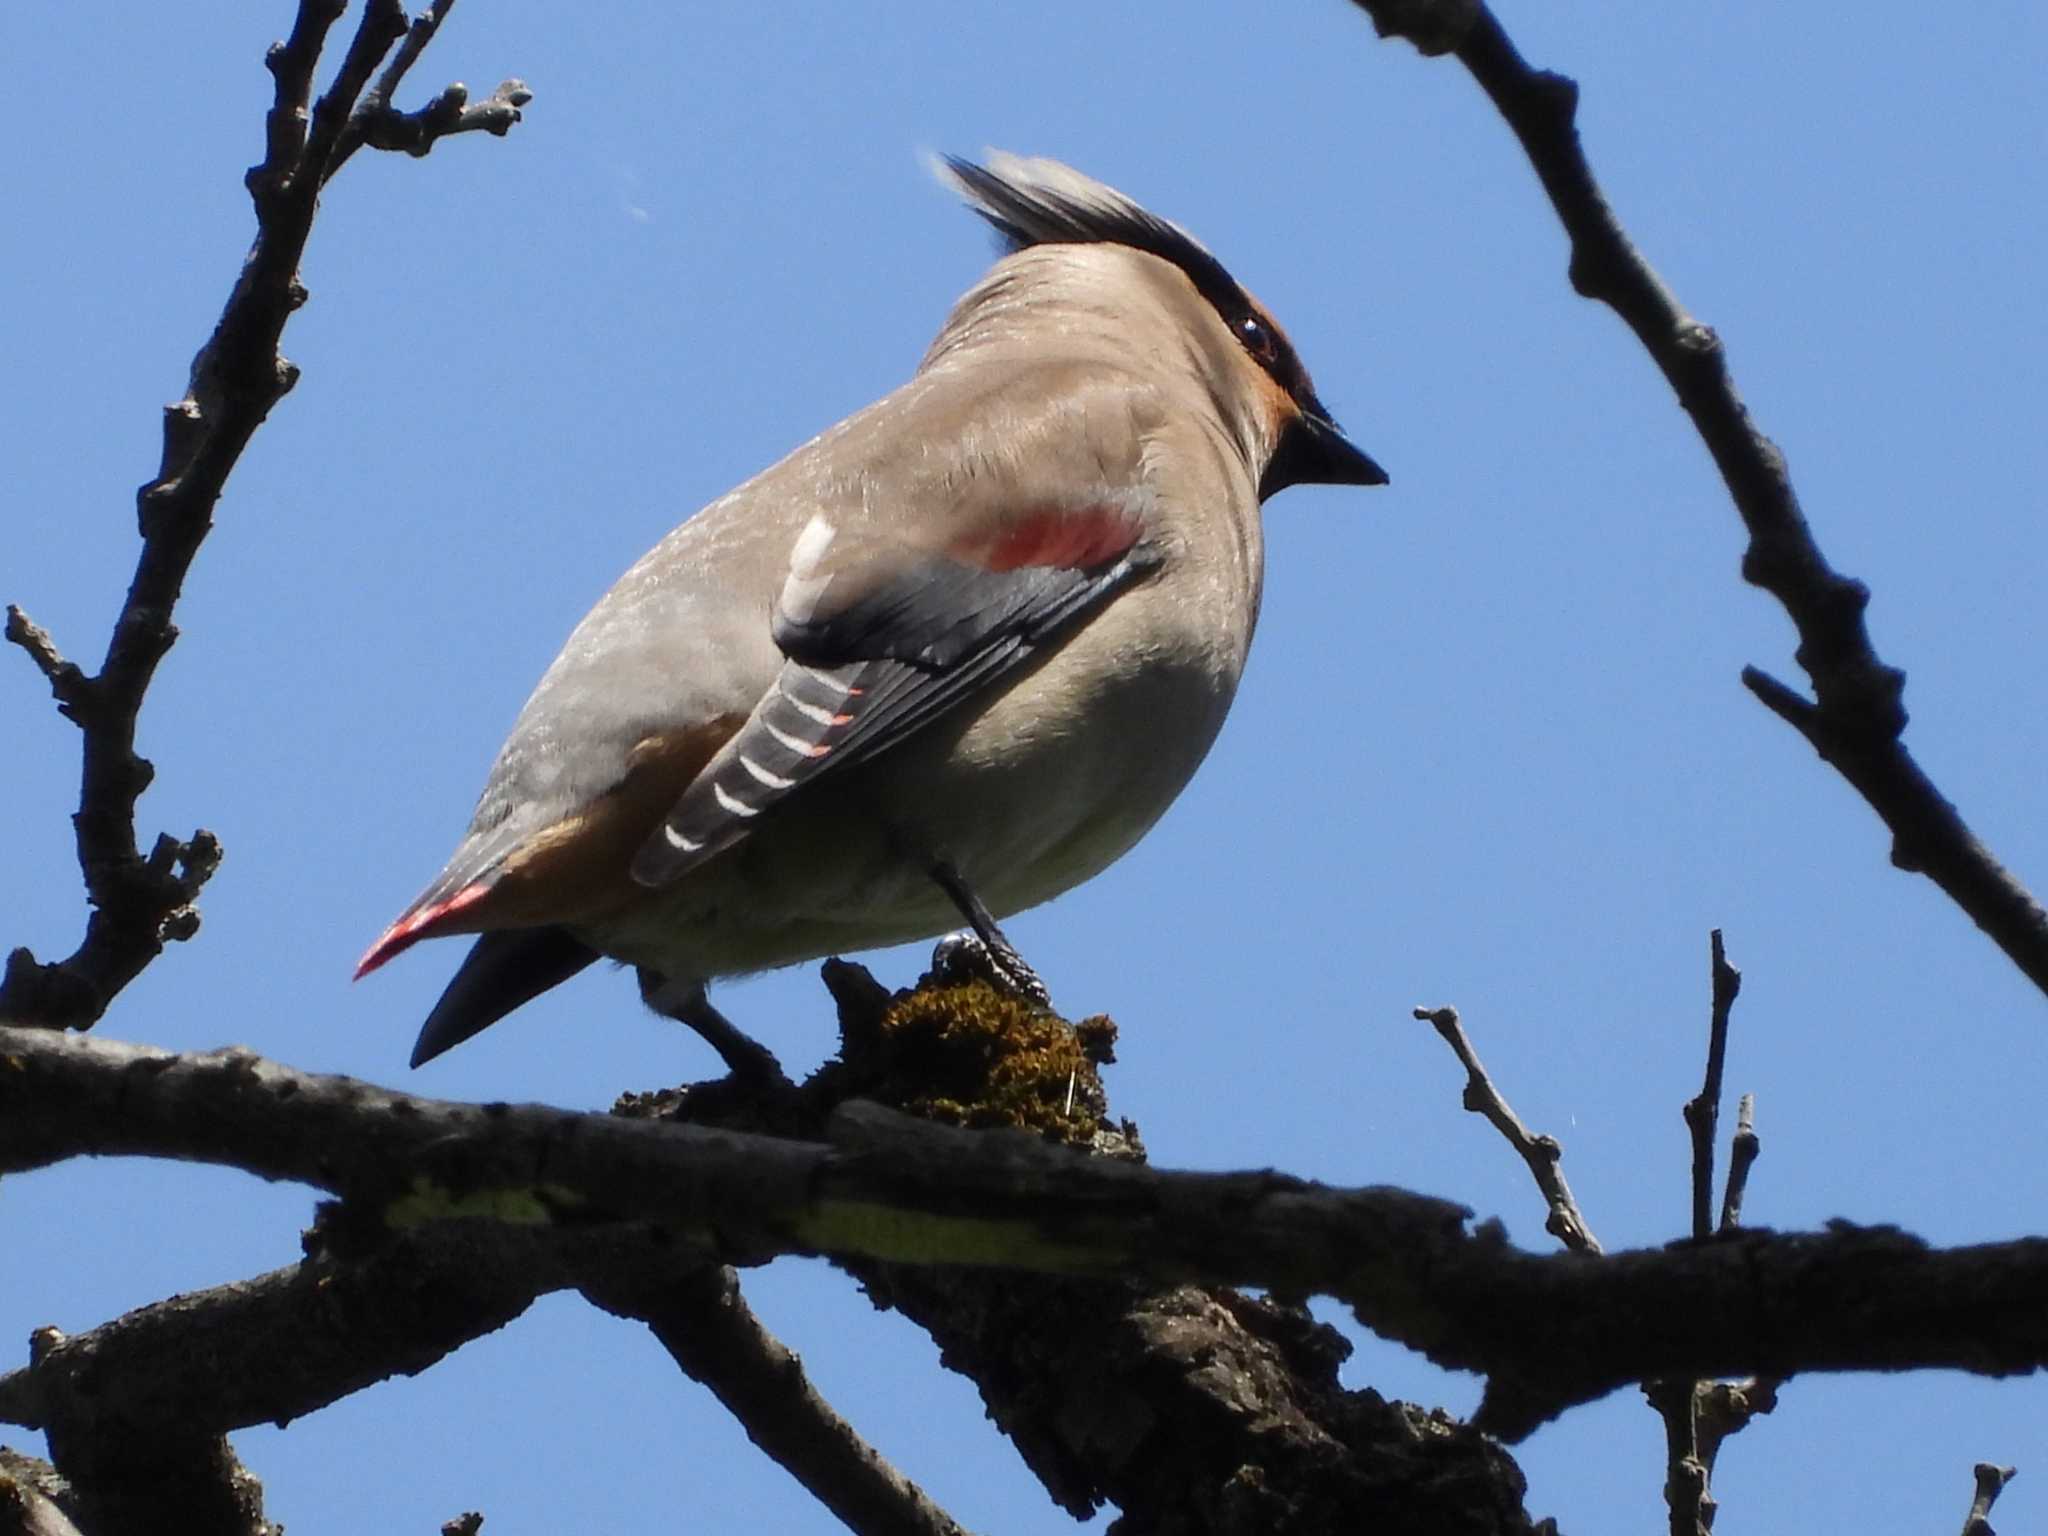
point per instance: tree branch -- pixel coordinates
(1699, 1415)
(1543, 1154)
(140, 904)
(1742, 1155)
(34, 1499)
(705, 1324)
(1991, 1481)
(285, 1344)
(1857, 716)
(1703, 1112)
(1193, 1410)
(1549, 1332)
(381, 126)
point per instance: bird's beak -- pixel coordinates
(1313, 451)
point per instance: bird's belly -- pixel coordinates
(1033, 798)
(1043, 789)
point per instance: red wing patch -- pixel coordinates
(1071, 539)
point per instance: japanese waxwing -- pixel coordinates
(947, 659)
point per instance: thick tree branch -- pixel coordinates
(1154, 1397)
(1857, 716)
(1199, 1410)
(1193, 1411)
(177, 1480)
(288, 1343)
(1196, 1411)
(136, 1410)
(140, 903)
(1549, 1332)
(34, 1498)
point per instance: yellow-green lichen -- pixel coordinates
(531, 1205)
(885, 1232)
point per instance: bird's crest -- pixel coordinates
(1035, 201)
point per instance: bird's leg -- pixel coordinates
(745, 1057)
(1008, 966)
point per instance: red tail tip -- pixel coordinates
(391, 941)
(420, 922)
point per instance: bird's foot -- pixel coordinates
(1000, 963)
(746, 1059)
(966, 956)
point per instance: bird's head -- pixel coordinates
(1039, 202)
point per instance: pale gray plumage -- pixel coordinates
(988, 625)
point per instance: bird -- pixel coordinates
(948, 659)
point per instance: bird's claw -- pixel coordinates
(965, 956)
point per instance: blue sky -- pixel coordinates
(1491, 748)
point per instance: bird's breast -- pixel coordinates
(1063, 771)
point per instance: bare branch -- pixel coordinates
(1742, 1156)
(1543, 1154)
(33, 1498)
(1725, 1408)
(140, 903)
(704, 1322)
(1145, 1389)
(1691, 1442)
(1991, 1481)
(1703, 1113)
(173, 1476)
(1687, 1499)
(1698, 1416)
(417, 36)
(284, 1344)
(1549, 1332)
(1857, 717)
(381, 126)
(64, 677)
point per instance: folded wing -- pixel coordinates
(881, 638)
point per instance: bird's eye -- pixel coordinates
(1258, 339)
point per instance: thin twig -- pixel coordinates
(1991, 1481)
(1857, 716)
(381, 126)
(1726, 1407)
(705, 1324)
(1543, 1154)
(1742, 1155)
(65, 678)
(417, 36)
(1690, 1443)
(1703, 1113)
